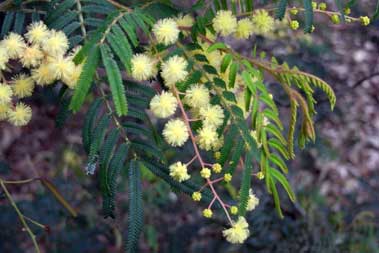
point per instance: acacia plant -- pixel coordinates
(154, 64)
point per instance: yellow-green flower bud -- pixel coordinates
(207, 213)
(227, 177)
(335, 19)
(294, 11)
(196, 196)
(322, 6)
(364, 20)
(233, 210)
(294, 24)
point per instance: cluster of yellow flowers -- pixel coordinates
(42, 53)
(195, 100)
(226, 24)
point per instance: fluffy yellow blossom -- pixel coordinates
(205, 173)
(207, 213)
(364, 20)
(216, 168)
(239, 231)
(163, 105)
(23, 86)
(37, 33)
(4, 58)
(347, 11)
(174, 70)
(263, 22)
(212, 115)
(43, 75)
(294, 24)
(72, 78)
(196, 196)
(31, 57)
(178, 171)
(197, 96)
(143, 67)
(20, 115)
(166, 31)
(184, 20)
(218, 144)
(314, 5)
(252, 202)
(225, 23)
(233, 210)
(4, 109)
(227, 177)
(14, 44)
(214, 58)
(245, 28)
(5, 94)
(56, 44)
(175, 132)
(61, 67)
(207, 135)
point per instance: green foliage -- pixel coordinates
(135, 217)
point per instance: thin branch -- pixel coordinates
(20, 216)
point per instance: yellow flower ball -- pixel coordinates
(163, 105)
(56, 44)
(294, 11)
(207, 213)
(347, 11)
(37, 33)
(364, 20)
(239, 231)
(245, 28)
(61, 67)
(143, 67)
(233, 210)
(71, 79)
(218, 144)
(212, 115)
(322, 6)
(225, 23)
(196, 196)
(263, 22)
(43, 75)
(4, 57)
(197, 96)
(178, 171)
(335, 19)
(205, 173)
(31, 57)
(294, 24)
(14, 44)
(174, 70)
(227, 177)
(252, 202)
(4, 109)
(166, 31)
(20, 115)
(207, 136)
(6, 94)
(217, 155)
(23, 86)
(216, 168)
(175, 132)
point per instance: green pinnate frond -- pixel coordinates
(115, 81)
(135, 215)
